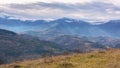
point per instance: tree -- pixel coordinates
(1, 62)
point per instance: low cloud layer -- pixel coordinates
(90, 11)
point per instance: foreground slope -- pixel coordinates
(101, 59)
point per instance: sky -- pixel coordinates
(88, 10)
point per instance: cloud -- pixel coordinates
(91, 11)
(48, 1)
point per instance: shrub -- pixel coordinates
(66, 65)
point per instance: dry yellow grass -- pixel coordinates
(103, 59)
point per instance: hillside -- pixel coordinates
(14, 47)
(101, 59)
(74, 43)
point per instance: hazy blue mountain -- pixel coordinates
(17, 22)
(112, 27)
(20, 26)
(64, 26)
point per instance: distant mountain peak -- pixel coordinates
(65, 19)
(68, 20)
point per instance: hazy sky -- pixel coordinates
(90, 10)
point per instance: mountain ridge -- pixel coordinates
(14, 47)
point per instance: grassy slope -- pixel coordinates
(103, 59)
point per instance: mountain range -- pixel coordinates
(21, 40)
(63, 26)
(17, 47)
